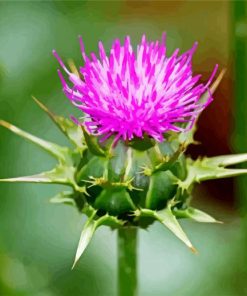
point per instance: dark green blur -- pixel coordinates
(38, 240)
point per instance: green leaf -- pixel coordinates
(85, 238)
(60, 175)
(195, 214)
(226, 160)
(71, 130)
(89, 229)
(167, 218)
(209, 174)
(202, 170)
(65, 197)
(92, 143)
(111, 221)
(58, 152)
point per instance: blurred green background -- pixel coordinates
(38, 240)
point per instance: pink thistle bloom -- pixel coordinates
(131, 93)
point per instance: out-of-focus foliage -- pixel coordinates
(38, 239)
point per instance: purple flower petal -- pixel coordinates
(128, 94)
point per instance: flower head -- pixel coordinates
(132, 93)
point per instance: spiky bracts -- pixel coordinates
(120, 171)
(127, 185)
(131, 93)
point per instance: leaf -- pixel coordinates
(167, 218)
(111, 221)
(60, 175)
(222, 173)
(85, 238)
(89, 229)
(71, 130)
(63, 197)
(195, 214)
(55, 150)
(202, 170)
(226, 160)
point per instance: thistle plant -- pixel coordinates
(127, 167)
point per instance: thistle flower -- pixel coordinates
(129, 94)
(143, 106)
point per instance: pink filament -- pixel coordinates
(129, 93)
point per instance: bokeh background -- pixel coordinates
(37, 239)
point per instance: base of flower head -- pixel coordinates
(127, 185)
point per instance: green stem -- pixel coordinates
(240, 128)
(127, 261)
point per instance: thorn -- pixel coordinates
(136, 213)
(73, 266)
(145, 171)
(132, 214)
(5, 124)
(218, 80)
(194, 250)
(39, 103)
(80, 189)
